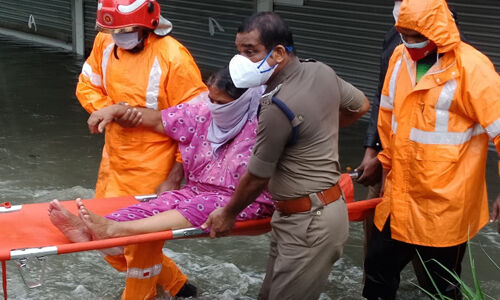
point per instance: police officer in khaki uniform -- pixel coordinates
(296, 156)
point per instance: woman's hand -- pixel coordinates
(131, 118)
(102, 117)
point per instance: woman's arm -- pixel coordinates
(132, 116)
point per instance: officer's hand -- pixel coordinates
(131, 118)
(220, 223)
(370, 168)
(495, 213)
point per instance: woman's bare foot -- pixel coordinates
(69, 224)
(99, 227)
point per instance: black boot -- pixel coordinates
(187, 290)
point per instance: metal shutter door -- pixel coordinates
(52, 18)
(347, 35)
(479, 20)
(90, 12)
(190, 21)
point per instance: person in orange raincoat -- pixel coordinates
(440, 105)
(134, 61)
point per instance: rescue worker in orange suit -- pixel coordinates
(440, 105)
(370, 169)
(134, 61)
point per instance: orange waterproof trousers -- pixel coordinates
(147, 267)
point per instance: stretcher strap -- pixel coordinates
(4, 279)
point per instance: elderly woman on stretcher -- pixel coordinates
(215, 131)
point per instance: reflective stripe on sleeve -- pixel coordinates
(94, 78)
(144, 273)
(153, 85)
(394, 124)
(392, 82)
(493, 129)
(105, 58)
(385, 102)
(388, 101)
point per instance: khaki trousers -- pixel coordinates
(304, 247)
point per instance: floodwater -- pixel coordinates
(46, 152)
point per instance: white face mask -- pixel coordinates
(395, 10)
(127, 41)
(247, 74)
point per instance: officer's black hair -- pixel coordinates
(272, 28)
(222, 81)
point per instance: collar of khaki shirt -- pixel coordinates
(291, 68)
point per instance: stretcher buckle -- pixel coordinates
(6, 207)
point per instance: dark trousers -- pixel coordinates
(387, 257)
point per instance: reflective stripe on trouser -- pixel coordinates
(146, 266)
(304, 247)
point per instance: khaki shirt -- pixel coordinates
(314, 93)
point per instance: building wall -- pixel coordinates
(347, 35)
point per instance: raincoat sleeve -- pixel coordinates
(183, 82)
(482, 100)
(90, 90)
(384, 122)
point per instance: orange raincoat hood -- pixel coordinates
(431, 18)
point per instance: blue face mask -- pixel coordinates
(414, 45)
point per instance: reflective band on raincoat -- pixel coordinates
(493, 129)
(153, 85)
(94, 78)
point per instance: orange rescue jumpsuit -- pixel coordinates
(435, 135)
(136, 160)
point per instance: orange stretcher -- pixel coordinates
(31, 234)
